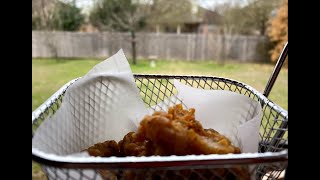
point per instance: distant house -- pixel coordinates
(189, 24)
(200, 20)
(211, 22)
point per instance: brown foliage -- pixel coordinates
(278, 31)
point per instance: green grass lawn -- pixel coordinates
(49, 75)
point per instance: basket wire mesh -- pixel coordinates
(157, 88)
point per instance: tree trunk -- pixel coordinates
(222, 50)
(133, 47)
(262, 29)
(263, 26)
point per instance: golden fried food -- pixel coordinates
(135, 145)
(175, 132)
(105, 149)
(178, 133)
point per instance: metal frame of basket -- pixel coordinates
(269, 162)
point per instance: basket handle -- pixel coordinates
(268, 88)
(276, 70)
(266, 93)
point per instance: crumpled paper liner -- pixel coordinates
(102, 105)
(234, 115)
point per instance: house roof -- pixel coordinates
(210, 17)
(201, 16)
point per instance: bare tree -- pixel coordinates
(230, 26)
(258, 13)
(134, 15)
(42, 10)
(248, 17)
(121, 15)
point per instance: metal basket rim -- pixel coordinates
(91, 162)
(158, 161)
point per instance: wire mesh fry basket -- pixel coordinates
(269, 163)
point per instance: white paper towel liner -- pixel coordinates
(102, 105)
(236, 116)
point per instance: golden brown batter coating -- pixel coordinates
(175, 132)
(134, 145)
(105, 149)
(179, 133)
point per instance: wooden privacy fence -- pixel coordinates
(163, 46)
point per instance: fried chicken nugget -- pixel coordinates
(178, 133)
(104, 149)
(134, 144)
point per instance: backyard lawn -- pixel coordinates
(49, 75)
